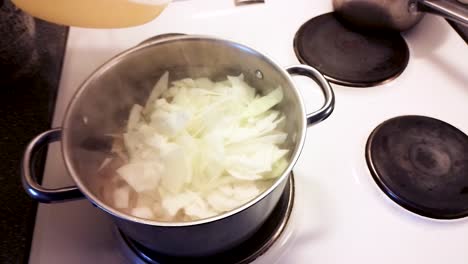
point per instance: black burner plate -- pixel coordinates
(422, 164)
(247, 252)
(348, 57)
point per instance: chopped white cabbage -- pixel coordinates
(142, 212)
(262, 104)
(175, 202)
(134, 118)
(245, 191)
(141, 176)
(199, 208)
(231, 196)
(199, 148)
(147, 198)
(158, 89)
(177, 170)
(222, 202)
(122, 197)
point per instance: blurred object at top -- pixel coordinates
(398, 15)
(94, 13)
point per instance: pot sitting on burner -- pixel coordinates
(247, 252)
(422, 164)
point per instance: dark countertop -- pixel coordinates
(26, 108)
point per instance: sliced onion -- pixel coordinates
(199, 148)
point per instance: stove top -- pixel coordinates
(340, 215)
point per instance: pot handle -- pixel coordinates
(457, 12)
(329, 104)
(34, 189)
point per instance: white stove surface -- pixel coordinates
(340, 215)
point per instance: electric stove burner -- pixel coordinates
(247, 252)
(421, 163)
(348, 57)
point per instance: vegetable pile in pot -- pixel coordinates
(197, 149)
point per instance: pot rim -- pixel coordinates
(121, 56)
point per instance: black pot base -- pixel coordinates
(247, 252)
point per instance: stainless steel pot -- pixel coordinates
(398, 14)
(101, 107)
